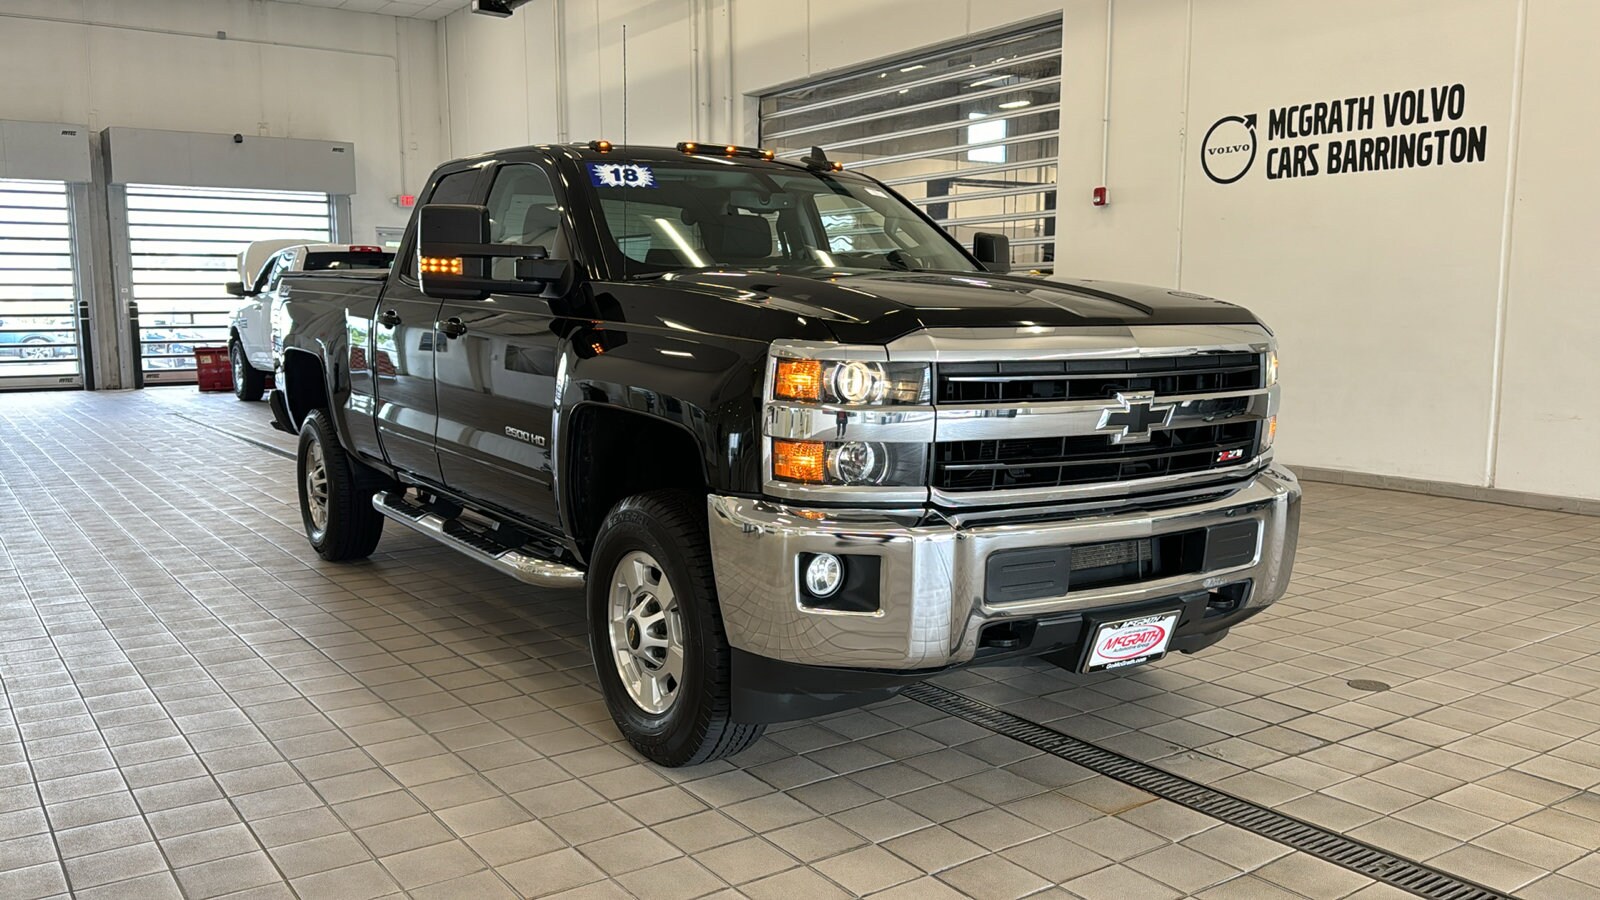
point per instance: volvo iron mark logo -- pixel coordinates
(1229, 148)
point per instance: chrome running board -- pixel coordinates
(518, 563)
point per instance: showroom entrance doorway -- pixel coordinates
(182, 248)
(39, 341)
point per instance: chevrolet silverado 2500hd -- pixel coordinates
(798, 446)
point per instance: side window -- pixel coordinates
(453, 188)
(523, 210)
(280, 264)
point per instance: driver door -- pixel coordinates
(495, 363)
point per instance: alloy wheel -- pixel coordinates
(646, 632)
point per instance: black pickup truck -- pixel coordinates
(798, 446)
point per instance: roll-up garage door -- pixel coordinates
(38, 295)
(970, 133)
(183, 246)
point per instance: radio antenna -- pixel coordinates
(627, 224)
(624, 85)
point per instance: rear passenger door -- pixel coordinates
(496, 363)
(404, 340)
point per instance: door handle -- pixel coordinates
(453, 327)
(388, 318)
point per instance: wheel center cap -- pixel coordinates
(632, 629)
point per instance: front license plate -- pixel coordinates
(1131, 641)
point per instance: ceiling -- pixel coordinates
(411, 9)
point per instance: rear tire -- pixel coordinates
(652, 567)
(337, 511)
(249, 383)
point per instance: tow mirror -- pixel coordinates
(993, 251)
(455, 256)
(235, 288)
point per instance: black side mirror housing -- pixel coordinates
(454, 250)
(236, 288)
(993, 251)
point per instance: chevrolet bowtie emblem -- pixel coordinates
(1136, 413)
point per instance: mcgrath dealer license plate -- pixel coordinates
(1131, 641)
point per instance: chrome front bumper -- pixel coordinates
(932, 603)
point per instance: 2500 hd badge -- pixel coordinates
(804, 448)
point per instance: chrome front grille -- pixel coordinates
(1037, 415)
(1090, 459)
(1091, 379)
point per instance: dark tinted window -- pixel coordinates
(453, 188)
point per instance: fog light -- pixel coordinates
(824, 575)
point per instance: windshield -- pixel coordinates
(665, 218)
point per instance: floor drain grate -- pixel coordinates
(1379, 865)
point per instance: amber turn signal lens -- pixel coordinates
(798, 461)
(798, 379)
(440, 265)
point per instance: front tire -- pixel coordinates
(249, 383)
(656, 632)
(337, 511)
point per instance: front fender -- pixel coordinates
(707, 385)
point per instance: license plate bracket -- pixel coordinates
(1129, 641)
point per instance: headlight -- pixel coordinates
(1272, 368)
(850, 382)
(848, 463)
(1269, 433)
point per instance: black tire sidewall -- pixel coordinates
(314, 430)
(248, 383)
(667, 736)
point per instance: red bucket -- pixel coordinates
(214, 369)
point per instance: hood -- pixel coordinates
(878, 307)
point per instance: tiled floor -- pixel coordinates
(195, 706)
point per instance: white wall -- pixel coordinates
(1436, 323)
(284, 70)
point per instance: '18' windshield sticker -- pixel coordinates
(621, 175)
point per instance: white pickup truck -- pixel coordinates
(252, 347)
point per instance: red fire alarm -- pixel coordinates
(1100, 198)
(406, 201)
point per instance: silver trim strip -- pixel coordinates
(1102, 489)
(893, 424)
(1076, 418)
